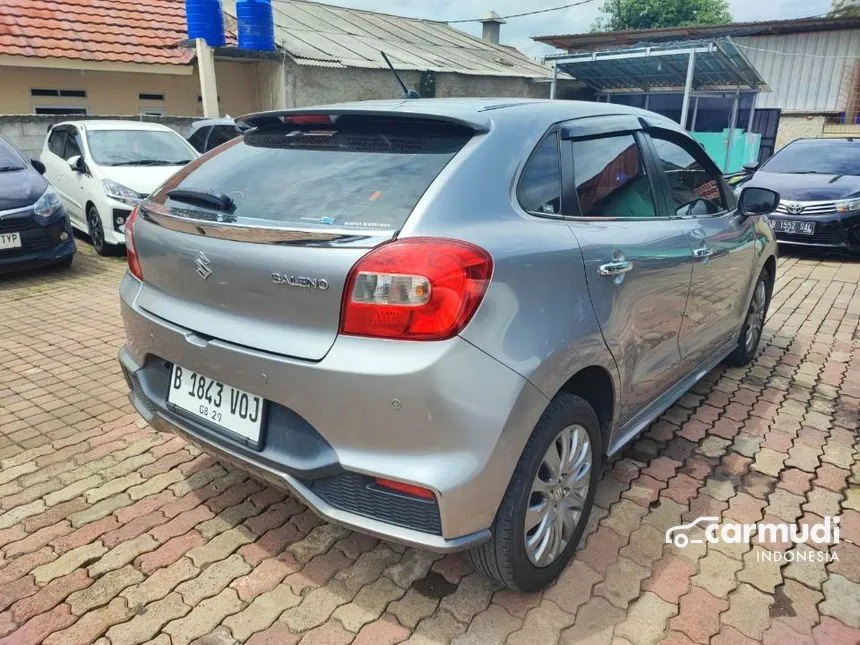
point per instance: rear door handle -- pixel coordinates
(616, 267)
(702, 253)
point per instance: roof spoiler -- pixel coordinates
(475, 122)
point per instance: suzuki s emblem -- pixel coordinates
(202, 264)
(794, 208)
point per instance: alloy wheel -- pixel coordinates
(755, 319)
(558, 495)
(97, 234)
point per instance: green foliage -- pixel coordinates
(844, 9)
(650, 14)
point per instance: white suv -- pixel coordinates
(102, 169)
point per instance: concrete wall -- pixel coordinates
(805, 126)
(308, 85)
(793, 127)
(117, 92)
(28, 131)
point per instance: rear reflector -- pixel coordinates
(419, 288)
(408, 489)
(130, 249)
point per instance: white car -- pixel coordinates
(103, 169)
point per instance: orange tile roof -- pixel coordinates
(117, 31)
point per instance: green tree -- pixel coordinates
(844, 9)
(649, 14)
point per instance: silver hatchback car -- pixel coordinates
(434, 320)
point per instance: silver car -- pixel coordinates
(434, 320)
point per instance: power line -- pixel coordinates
(526, 13)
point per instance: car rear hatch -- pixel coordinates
(253, 244)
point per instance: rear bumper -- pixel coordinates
(41, 241)
(835, 231)
(444, 416)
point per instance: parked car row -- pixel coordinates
(89, 177)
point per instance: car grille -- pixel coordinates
(808, 208)
(832, 235)
(358, 494)
(34, 237)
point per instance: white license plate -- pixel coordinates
(794, 227)
(222, 405)
(10, 240)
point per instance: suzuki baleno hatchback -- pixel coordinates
(433, 320)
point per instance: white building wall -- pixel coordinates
(804, 71)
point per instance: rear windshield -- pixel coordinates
(355, 173)
(817, 157)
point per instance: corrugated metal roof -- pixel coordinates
(625, 38)
(330, 36)
(805, 72)
(718, 64)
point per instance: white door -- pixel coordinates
(74, 182)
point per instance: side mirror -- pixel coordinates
(38, 165)
(76, 163)
(751, 167)
(758, 201)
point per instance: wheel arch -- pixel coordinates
(594, 384)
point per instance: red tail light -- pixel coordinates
(130, 250)
(416, 289)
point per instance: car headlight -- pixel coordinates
(847, 205)
(48, 204)
(121, 193)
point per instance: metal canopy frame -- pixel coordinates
(694, 67)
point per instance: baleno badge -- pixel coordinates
(299, 281)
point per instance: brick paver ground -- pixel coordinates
(114, 534)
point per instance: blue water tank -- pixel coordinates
(205, 20)
(256, 25)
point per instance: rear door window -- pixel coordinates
(356, 173)
(611, 180)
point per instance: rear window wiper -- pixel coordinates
(213, 200)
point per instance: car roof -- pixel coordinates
(477, 112)
(219, 121)
(116, 124)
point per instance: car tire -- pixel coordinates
(751, 332)
(508, 556)
(95, 229)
